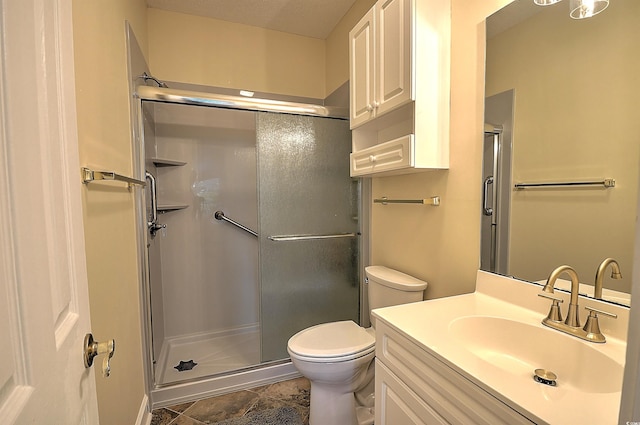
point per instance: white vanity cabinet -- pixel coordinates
(415, 387)
(399, 87)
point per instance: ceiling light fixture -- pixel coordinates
(582, 9)
(545, 2)
(579, 9)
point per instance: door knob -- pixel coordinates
(94, 348)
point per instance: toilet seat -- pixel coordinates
(332, 342)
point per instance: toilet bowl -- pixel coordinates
(337, 357)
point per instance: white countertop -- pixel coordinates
(427, 324)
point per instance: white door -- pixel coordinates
(44, 310)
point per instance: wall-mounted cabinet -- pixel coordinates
(399, 94)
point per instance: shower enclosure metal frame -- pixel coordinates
(259, 374)
(496, 190)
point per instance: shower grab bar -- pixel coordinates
(604, 182)
(485, 196)
(281, 238)
(154, 199)
(153, 225)
(219, 215)
(89, 175)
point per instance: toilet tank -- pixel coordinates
(389, 287)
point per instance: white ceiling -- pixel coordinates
(311, 18)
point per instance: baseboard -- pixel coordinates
(214, 386)
(144, 414)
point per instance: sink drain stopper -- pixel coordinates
(545, 377)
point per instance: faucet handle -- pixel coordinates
(592, 328)
(595, 312)
(555, 314)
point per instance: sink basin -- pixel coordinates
(519, 348)
(494, 339)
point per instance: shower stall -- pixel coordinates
(252, 227)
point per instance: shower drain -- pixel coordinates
(188, 365)
(545, 377)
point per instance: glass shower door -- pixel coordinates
(308, 226)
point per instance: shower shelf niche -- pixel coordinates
(163, 162)
(171, 207)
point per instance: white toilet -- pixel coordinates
(337, 357)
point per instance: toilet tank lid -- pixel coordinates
(395, 279)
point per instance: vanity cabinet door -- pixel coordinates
(397, 404)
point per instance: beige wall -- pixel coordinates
(197, 50)
(575, 119)
(337, 43)
(442, 244)
(104, 134)
(245, 57)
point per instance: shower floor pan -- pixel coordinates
(196, 356)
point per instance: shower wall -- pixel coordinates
(206, 278)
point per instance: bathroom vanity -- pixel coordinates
(470, 359)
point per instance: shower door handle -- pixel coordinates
(487, 210)
(281, 238)
(153, 225)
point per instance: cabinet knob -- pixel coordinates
(369, 107)
(372, 158)
(375, 105)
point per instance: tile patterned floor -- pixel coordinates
(293, 393)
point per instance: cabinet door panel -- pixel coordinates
(361, 51)
(393, 155)
(394, 58)
(397, 404)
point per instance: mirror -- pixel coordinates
(562, 100)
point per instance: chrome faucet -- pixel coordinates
(571, 325)
(615, 274)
